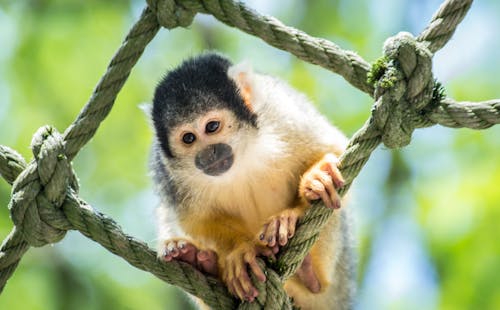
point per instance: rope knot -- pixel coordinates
(40, 190)
(404, 88)
(171, 14)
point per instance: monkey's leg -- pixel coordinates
(236, 250)
(307, 276)
(184, 250)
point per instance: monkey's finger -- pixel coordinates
(262, 233)
(270, 235)
(310, 195)
(250, 291)
(232, 282)
(319, 189)
(188, 254)
(283, 230)
(207, 261)
(327, 200)
(250, 260)
(182, 245)
(327, 182)
(265, 251)
(172, 249)
(242, 279)
(336, 200)
(292, 222)
(236, 289)
(331, 167)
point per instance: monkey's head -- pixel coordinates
(203, 116)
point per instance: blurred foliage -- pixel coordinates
(426, 215)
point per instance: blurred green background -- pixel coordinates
(427, 216)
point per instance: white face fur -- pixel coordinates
(253, 151)
(188, 140)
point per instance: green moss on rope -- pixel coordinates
(377, 70)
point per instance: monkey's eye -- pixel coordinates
(212, 126)
(188, 138)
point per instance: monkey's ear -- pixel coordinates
(147, 108)
(242, 74)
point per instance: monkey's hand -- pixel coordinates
(279, 228)
(185, 251)
(321, 181)
(235, 270)
(276, 233)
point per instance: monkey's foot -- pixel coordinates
(321, 181)
(280, 228)
(235, 272)
(185, 251)
(307, 276)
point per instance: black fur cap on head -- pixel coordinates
(198, 85)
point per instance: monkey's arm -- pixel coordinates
(320, 181)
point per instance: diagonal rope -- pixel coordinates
(104, 95)
(443, 23)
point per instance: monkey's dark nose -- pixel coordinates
(215, 159)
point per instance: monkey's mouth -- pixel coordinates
(215, 159)
(220, 166)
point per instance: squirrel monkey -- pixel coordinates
(237, 159)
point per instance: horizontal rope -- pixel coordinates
(473, 115)
(317, 51)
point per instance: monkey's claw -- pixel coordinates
(321, 182)
(183, 250)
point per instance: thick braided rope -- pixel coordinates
(365, 137)
(443, 23)
(474, 115)
(11, 252)
(314, 50)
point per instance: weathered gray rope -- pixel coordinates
(11, 252)
(473, 115)
(443, 24)
(104, 95)
(314, 50)
(403, 88)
